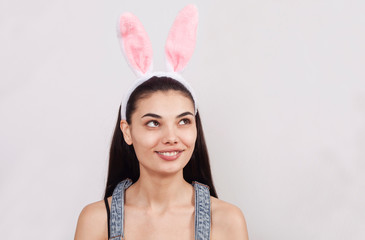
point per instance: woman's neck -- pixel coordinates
(160, 192)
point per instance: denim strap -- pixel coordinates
(117, 210)
(202, 211)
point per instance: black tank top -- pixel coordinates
(108, 213)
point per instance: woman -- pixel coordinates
(163, 146)
(159, 182)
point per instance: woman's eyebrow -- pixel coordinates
(159, 117)
(184, 114)
(151, 115)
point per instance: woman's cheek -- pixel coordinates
(190, 137)
(148, 138)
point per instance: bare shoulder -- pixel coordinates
(92, 223)
(228, 221)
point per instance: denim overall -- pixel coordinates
(202, 211)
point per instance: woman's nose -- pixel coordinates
(170, 136)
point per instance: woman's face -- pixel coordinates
(162, 131)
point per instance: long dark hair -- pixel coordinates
(123, 162)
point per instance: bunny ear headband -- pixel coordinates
(179, 48)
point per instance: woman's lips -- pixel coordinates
(169, 155)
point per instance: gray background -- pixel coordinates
(281, 92)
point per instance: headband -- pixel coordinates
(137, 49)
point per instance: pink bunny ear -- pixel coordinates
(135, 43)
(180, 43)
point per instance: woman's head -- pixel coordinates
(161, 126)
(161, 133)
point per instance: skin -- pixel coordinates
(160, 205)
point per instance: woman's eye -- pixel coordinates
(152, 124)
(184, 121)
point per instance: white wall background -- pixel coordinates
(282, 98)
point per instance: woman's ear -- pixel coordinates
(124, 126)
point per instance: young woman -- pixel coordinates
(159, 183)
(161, 148)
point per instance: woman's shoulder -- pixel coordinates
(92, 222)
(228, 220)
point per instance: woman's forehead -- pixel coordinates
(165, 102)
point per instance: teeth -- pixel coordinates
(168, 153)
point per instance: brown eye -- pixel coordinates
(153, 124)
(184, 121)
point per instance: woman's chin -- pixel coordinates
(166, 170)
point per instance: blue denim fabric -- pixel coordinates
(117, 210)
(202, 211)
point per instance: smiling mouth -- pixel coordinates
(169, 154)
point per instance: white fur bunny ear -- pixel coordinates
(181, 41)
(135, 44)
